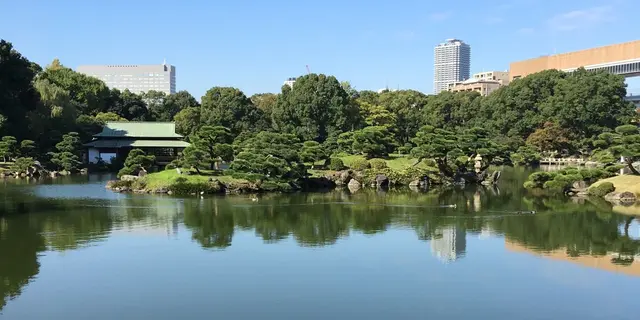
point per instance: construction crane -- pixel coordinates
(308, 69)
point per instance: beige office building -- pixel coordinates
(622, 58)
(483, 83)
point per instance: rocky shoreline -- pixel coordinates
(350, 179)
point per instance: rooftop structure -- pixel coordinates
(118, 138)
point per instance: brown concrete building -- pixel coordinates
(623, 58)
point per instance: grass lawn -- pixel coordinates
(624, 183)
(394, 162)
(164, 178)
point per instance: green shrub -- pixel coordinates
(22, 165)
(174, 164)
(269, 185)
(613, 169)
(538, 179)
(377, 163)
(530, 185)
(182, 188)
(120, 183)
(555, 185)
(336, 164)
(253, 177)
(602, 190)
(360, 165)
(228, 172)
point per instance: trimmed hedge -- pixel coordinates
(360, 165)
(377, 163)
(602, 190)
(336, 164)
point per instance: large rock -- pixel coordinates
(128, 177)
(354, 185)
(579, 185)
(345, 177)
(627, 197)
(142, 172)
(382, 180)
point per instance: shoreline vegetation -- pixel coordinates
(351, 171)
(319, 131)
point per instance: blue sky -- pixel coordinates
(256, 45)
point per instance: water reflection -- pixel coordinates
(589, 233)
(449, 244)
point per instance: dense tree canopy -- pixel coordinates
(407, 106)
(549, 112)
(316, 107)
(17, 95)
(230, 108)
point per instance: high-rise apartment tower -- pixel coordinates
(452, 63)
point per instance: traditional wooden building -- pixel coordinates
(118, 138)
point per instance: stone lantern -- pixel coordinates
(478, 165)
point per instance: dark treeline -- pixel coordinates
(550, 112)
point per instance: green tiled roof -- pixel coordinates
(119, 143)
(141, 129)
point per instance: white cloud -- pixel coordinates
(581, 19)
(440, 16)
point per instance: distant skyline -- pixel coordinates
(256, 45)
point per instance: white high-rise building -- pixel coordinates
(452, 63)
(135, 78)
(449, 244)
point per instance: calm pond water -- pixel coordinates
(70, 249)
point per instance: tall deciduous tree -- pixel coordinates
(109, 116)
(17, 95)
(452, 110)
(587, 103)
(187, 121)
(129, 105)
(90, 94)
(177, 102)
(155, 102)
(230, 108)
(315, 108)
(407, 105)
(551, 138)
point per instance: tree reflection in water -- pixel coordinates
(32, 225)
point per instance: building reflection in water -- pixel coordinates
(449, 244)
